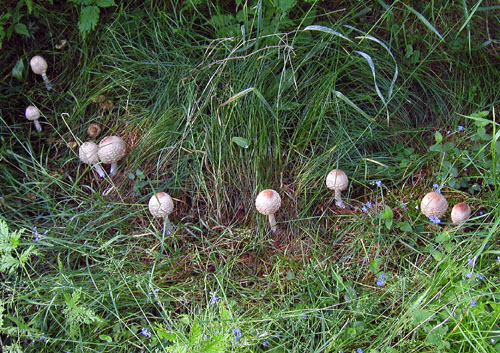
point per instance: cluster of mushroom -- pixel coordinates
(38, 66)
(433, 205)
(109, 151)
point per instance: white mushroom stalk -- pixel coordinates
(39, 66)
(88, 155)
(161, 205)
(460, 213)
(33, 114)
(268, 203)
(111, 150)
(337, 180)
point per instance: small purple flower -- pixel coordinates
(434, 220)
(436, 188)
(469, 275)
(381, 280)
(472, 260)
(364, 209)
(214, 300)
(417, 207)
(448, 132)
(368, 204)
(145, 332)
(498, 259)
(473, 303)
(237, 333)
(365, 260)
(378, 183)
(359, 350)
(460, 128)
(266, 344)
(154, 291)
(303, 316)
(479, 277)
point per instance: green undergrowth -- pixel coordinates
(215, 104)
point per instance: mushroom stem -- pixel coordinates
(38, 127)
(99, 170)
(338, 199)
(113, 169)
(272, 222)
(167, 226)
(46, 81)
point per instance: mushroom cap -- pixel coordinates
(111, 149)
(433, 205)
(460, 212)
(337, 180)
(268, 202)
(94, 130)
(161, 204)
(38, 65)
(32, 113)
(88, 153)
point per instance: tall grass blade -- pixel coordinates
(368, 58)
(326, 30)
(425, 21)
(352, 104)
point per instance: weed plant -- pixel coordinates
(217, 102)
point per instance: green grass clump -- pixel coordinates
(217, 103)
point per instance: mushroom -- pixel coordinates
(268, 203)
(337, 180)
(93, 130)
(32, 113)
(88, 155)
(460, 212)
(433, 205)
(39, 67)
(111, 150)
(161, 205)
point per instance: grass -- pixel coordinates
(102, 278)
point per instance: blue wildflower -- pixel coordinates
(381, 280)
(364, 209)
(359, 350)
(479, 277)
(237, 334)
(469, 275)
(145, 332)
(368, 204)
(417, 207)
(266, 344)
(378, 183)
(473, 303)
(460, 128)
(498, 259)
(214, 300)
(434, 220)
(472, 260)
(436, 188)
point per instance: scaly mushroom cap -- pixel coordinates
(337, 180)
(88, 153)
(161, 205)
(433, 205)
(460, 212)
(32, 113)
(268, 202)
(111, 149)
(38, 65)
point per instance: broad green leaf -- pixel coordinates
(404, 226)
(240, 141)
(20, 28)
(106, 338)
(105, 3)
(438, 137)
(290, 276)
(444, 236)
(89, 17)
(17, 70)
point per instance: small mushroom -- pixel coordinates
(111, 150)
(88, 155)
(433, 205)
(33, 114)
(39, 67)
(161, 205)
(460, 212)
(337, 180)
(93, 130)
(268, 203)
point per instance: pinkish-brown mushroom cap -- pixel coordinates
(337, 180)
(433, 205)
(111, 149)
(88, 153)
(268, 202)
(460, 212)
(38, 65)
(161, 204)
